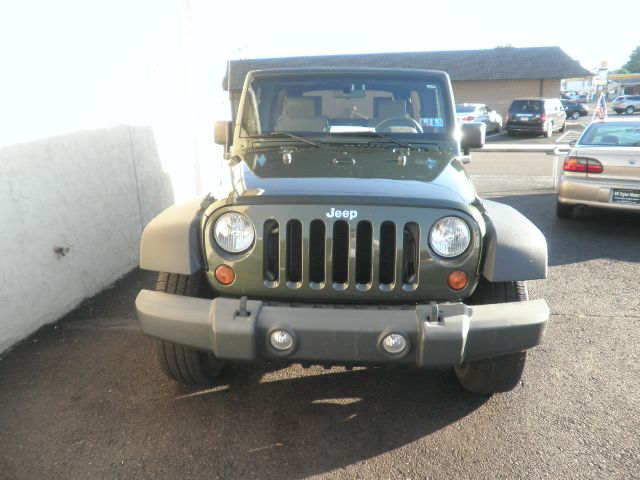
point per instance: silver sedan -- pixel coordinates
(479, 112)
(603, 168)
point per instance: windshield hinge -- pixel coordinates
(403, 153)
(286, 154)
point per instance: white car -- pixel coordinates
(603, 168)
(479, 112)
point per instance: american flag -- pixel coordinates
(602, 107)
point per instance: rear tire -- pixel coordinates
(495, 374)
(564, 211)
(575, 115)
(183, 364)
(549, 130)
(564, 126)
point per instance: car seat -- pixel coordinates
(301, 114)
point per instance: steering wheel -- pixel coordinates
(399, 122)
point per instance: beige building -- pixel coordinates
(494, 77)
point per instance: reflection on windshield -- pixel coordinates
(405, 107)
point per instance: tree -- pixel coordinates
(633, 65)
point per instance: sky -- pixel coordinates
(585, 30)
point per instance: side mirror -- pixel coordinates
(473, 135)
(223, 133)
(572, 143)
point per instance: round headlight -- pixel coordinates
(449, 236)
(234, 232)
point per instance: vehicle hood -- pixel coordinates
(427, 177)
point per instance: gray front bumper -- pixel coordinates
(346, 336)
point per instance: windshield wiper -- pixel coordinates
(278, 133)
(372, 134)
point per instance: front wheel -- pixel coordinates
(629, 110)
(183, 364)
(186, 365)
(495, 374)
(575, 115)
(492, 375)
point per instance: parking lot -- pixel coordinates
(84, 398)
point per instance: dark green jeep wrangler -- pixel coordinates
(352, 236)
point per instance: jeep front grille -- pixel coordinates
(340, 255)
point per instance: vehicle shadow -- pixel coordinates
(306, 425)
(591, 234)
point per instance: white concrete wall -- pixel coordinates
(87, 193)
(106, 117)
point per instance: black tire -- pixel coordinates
(564, 126)
(183, 364)
(629, 110)
(511, 133)
(575, 115)
(495, 374)
(564, 211)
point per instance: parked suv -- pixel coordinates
(351, 235)
(536, 115)
(626, 104)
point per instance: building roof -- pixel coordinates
(501, 63)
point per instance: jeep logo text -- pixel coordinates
(350, 214)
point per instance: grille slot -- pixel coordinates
(340, 253)
(410, 254)
(387, 253)
(317, 234)
(364, 253)
(271, 256)
(294, 251)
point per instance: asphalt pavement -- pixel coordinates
(84, 398)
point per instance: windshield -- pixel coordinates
(526, 106)
(338, 104)
(465, 108)
(622, 134)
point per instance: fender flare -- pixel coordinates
(515, 248)
(171, 241)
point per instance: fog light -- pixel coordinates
(281, 340)
(394, 343)
(225, 274)
(457, 280)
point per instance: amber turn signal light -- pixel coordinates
(457, 280)
(225, 274)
